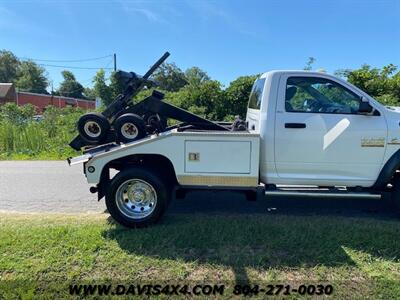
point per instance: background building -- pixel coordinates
(8, 93)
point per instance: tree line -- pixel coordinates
(191, 89)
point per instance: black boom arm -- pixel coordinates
(134, 83)
(106, 127)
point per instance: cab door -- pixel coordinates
(321, 138)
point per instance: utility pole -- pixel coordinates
(52, 93)
(115, 62)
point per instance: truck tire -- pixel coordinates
(155, 122)
(93, 127)
(129, 127)
(396, 192)
(137, 197)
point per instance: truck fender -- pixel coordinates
(104, 182)
(159, 164)
(388, 171)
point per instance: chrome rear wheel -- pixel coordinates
(137, 196)
(136, 199)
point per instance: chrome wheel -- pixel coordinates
(92, 129)
(129, 131)
(136, 198)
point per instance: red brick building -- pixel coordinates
(9, 94)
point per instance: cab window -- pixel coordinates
(319, 95)
(256, 94)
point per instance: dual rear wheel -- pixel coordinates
(94, 127)
(129, 127)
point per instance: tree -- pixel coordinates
(382, 84)
(101, 89)
(396, 86)
(203, 99)
(26, 75)
(32, 78)
(170, 77)
(116, 86)
(308, 67)
(8, 66)
(89, 93)
(196, 76)
(70, 87)
(237, 95)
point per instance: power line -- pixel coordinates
(67, 60)
(73, 67)
(109, 63)
(84, 82)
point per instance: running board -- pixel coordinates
(316, 194)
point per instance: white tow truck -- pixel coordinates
(303, 129)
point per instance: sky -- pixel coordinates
(226, 38)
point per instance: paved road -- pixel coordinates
(37, 186)
(53, 186)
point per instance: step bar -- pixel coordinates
(322, 194)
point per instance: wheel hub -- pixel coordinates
(136, 198)
(92, 129)
(129, 130)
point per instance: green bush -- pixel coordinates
(22, 137)
(16, 114)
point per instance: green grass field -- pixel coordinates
(41, 254)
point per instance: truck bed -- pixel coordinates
(200, 158)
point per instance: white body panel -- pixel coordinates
(224, 158)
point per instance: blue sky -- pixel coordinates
(226, 38)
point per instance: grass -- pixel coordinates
(41, 254)
(31, 141)
(23, 138)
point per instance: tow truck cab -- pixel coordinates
(316, 129)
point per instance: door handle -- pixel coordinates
(295, 125)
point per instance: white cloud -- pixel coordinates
(151, 16)
(142, 9)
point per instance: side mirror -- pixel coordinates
(365, 107)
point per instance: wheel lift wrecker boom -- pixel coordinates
(123, 122)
